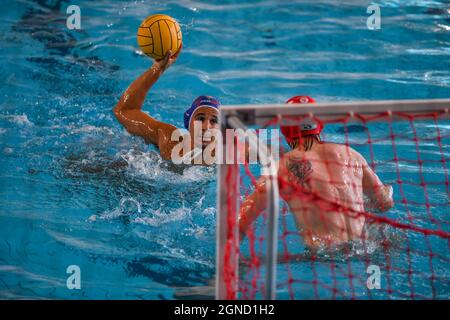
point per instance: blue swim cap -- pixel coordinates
(201, 101)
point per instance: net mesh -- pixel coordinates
(401, 253)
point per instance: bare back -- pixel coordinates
(324, 190)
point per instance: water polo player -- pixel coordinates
(324, 185)
(203, 112)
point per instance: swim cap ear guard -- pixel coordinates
(201, 101)
(307, 127)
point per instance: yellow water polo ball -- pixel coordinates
(158, 34)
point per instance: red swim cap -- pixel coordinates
(301, 99)
(306, 127)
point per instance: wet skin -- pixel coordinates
(324, 188)
(128, 112)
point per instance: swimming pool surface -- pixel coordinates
(76, 189)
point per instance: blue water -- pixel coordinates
(76, 189)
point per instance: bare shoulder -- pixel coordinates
(341, 151)
(291, 156)
(357, 157)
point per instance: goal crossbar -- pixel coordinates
(259, 114)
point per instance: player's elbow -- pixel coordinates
(388, 199)
(243, 225)
(120, 114)
(387, 205)
(116, 111)
(380, 199)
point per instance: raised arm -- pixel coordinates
(379, 194)
(129, 108)
(252, 207)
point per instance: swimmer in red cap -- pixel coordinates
(204, 111)
(324, 185)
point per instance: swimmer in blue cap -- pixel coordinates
(204, 111)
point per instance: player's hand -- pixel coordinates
(168, 59)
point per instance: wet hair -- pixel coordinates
(307, 142)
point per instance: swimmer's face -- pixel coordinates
(206, 119)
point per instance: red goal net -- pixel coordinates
(306, 242)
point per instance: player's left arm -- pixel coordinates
(254, 204)
(252, 207)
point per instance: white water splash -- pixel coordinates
(159, 217)
(150, 165)
(18, 119)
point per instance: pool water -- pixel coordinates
(76, 189)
